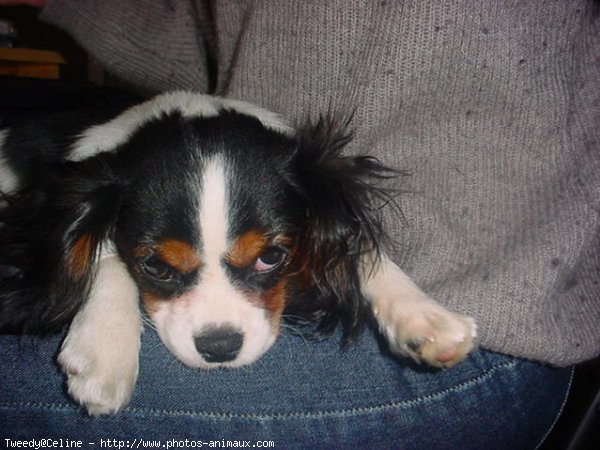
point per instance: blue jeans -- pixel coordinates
(299, 395)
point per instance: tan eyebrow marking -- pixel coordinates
(250, 245)
(246, 248)
(180, 255)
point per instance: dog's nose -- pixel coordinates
(219, 344)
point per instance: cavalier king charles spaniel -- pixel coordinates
(220, 219)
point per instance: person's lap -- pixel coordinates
(299, 395)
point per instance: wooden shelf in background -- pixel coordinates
(31, 63)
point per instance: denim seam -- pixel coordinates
(294, 415)
(560, 411)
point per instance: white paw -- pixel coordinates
(427, 332)
(101, 373)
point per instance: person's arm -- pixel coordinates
(153, 44)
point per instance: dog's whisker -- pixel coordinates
(148, 322)
(295, 331)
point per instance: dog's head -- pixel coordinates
(227, 219)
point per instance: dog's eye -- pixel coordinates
(271, 258)
(158, 270)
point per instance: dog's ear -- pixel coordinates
(89, 217)
(341, 197)
(52, 233)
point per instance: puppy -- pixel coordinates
(221, 218)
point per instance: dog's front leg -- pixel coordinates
(100, 353)
(413, 323)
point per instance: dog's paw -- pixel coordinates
(428, 333)
(101, 375)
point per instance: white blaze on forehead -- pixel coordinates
(107, 136)
(214, 220)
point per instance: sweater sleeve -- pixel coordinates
(153, 44)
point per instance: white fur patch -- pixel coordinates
(8, 179)
(106, 137)
(214, 301)
(414, 324)
(214, 222)
(100, 353)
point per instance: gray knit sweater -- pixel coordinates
(494, 107)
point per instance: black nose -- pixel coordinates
(219, 344)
